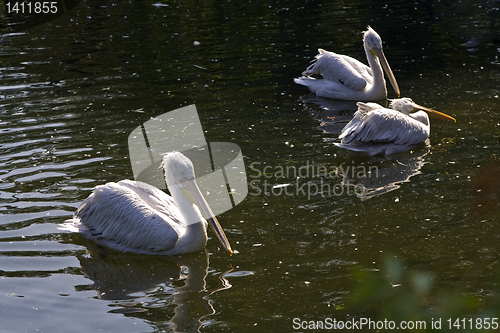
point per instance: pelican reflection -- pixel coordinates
(331, 114)
(385, 175)
(138, 283)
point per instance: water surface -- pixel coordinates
(74, 87)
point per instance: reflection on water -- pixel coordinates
(332, 115)
(383, 175)
(137, 283)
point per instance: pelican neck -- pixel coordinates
(377, 72)
(188, 210)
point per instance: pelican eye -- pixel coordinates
(185, 176)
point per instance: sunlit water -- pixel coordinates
(73, 89)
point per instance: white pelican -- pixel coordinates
(348, 79)
(377, 130)
(131, 216)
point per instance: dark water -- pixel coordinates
(74, 87)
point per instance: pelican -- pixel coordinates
(348, 79)
(377, 130)
(131, 216)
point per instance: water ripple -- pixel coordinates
(42, 173)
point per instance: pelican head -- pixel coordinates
(406, 105)
(373, 44)
(178, 168)
(179, 174)
(372, 39)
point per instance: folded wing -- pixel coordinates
(140, 219)
(383, 125)
(341, 69)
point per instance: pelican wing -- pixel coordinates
(384, 125)
(341, 69)
(153, 197)
(358, 118)
(128, 216)
(363, 70)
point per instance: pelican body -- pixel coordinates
(132, 216)
(378, 130)
(347, 78)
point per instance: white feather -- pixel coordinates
(117, 216)
(342, 69)
(347, 78)
(378, 130)
(132, 216)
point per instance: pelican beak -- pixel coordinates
(192, 192)
(434, 114)
(383, 61)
